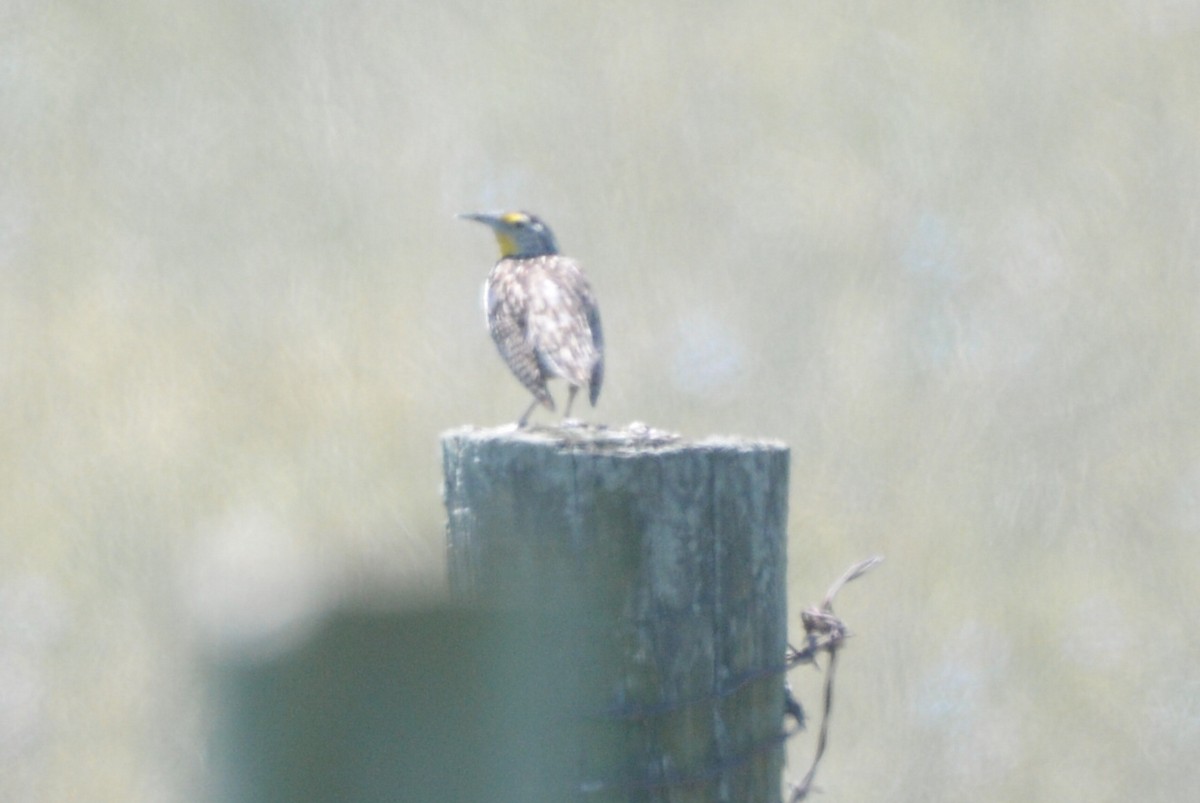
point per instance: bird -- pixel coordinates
(541, 311)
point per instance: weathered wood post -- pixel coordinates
(668, 560)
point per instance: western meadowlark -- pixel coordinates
(541, 311)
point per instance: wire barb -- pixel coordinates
(824, 632)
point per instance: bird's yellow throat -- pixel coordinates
(508, 245)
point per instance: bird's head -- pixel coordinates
(520, 234)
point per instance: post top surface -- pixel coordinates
(633, 438)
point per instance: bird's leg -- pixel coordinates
(570, 400)
(528, 410)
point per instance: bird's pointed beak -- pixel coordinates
(481, 217)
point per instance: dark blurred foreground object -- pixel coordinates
(441, 704)
(541, 311)
(668, 559)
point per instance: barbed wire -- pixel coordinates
(823, 633)
(683, 780)
(723, 691)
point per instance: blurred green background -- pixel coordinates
(948, 251)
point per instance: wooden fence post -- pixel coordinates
(669, 559)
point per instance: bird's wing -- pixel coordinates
(563, 323)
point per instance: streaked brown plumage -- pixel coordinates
(541, 311)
